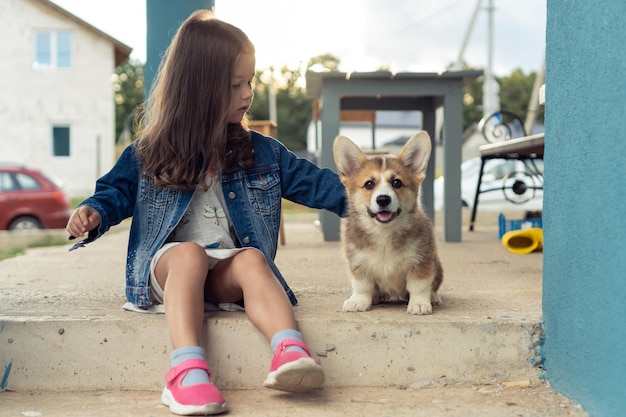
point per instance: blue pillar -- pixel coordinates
(584, 264)
(163, 17)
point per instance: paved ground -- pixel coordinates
(452, 401)
(482, 281)
(481, 277)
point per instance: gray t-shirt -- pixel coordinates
(206, 221)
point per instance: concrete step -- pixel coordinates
(536, 400)
(62, 327)
(131, 351)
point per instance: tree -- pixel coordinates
(515, 94)
(324, 62)
(293, 107)
(516, 91)
(260, 109)
(472, 102)
(128, 87)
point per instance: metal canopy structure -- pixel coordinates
(425, 92)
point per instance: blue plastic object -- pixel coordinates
(508, 225)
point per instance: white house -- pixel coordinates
(57, 111)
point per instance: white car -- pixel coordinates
(506, 185)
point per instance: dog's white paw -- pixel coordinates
(357, 303)
(419, 308)
(436, 299)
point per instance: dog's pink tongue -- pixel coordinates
(384, 216)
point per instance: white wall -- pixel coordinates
(33, 100)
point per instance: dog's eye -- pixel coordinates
(369, 185)
(396, 183)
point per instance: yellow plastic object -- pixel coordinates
(523, 241)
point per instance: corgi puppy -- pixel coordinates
(387, 239)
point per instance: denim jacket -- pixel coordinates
(253, 199)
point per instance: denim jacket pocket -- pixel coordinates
(264, 191)
(154, 209)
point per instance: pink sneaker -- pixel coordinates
(294, 371)
(190, 400)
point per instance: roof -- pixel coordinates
(122, 51)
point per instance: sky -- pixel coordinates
(366, 35)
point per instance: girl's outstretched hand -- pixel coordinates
(82, 220)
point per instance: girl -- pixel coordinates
(204, 193)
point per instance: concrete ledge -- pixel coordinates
(133, 352)
(62, 327)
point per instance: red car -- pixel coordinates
(31, 200)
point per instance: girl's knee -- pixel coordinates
(189, 253)
(250, 258)
(251, 268)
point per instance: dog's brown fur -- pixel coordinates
(387, 239)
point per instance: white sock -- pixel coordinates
(194, 376)
(287, 334)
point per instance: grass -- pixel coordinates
(11, 252)
(48, 240)
(44, 241)
(75, 201)
(290, 207)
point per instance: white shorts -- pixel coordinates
(214, 255)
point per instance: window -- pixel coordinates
(53, 49)
(6, 182)
(26, 182)
(64, 49)
(60, 141)
(43, 56)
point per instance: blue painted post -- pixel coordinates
(584, 285)
(163, 17)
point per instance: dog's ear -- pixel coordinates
(348, 156)
(415, 154)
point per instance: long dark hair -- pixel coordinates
(183, 131)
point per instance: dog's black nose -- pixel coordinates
(383, 200)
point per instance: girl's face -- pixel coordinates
(241, 92)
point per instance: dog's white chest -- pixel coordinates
(387, 267)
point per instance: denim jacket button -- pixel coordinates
(231, 195)
(246, 240)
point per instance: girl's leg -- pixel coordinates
(181, 272)
(247, 276)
